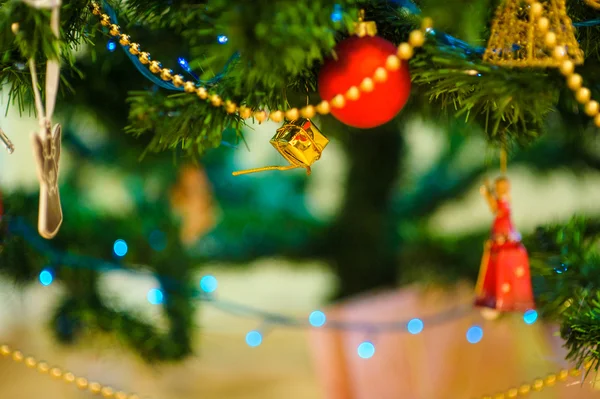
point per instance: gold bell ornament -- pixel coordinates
(298, 141)
(526, 33)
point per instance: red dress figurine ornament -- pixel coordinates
(504, 282)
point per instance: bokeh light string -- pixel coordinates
(206, 292)
(207, 289)
(208, 285)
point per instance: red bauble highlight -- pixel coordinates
(358, 58)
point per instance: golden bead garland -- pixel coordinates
(109, 393)
(63, 375)
(567, 68)
(405, 52)
(539, 383)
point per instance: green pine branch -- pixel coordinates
(566, 270)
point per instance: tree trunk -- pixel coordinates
(362, 242)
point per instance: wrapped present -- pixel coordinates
(300, 142)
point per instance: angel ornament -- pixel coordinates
(504, 282)
(46, 143)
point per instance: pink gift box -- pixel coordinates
(439, 362)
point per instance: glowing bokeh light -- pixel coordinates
(366, 350)
(317, 318)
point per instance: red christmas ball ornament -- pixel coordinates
(358, 58)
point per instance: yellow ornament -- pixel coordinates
(521, 30)
(298, 141)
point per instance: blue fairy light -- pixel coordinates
(186, 67)
(254, 339)
(415, 326)
(222, 39)
(46, 277)
(111, 45)
(336, 15)
(183, 62)
(561, 269)
(530, 316)
(317, 318)
(120, 248)
(158, 240)
(366, 350)
(156, 296)
(208, 284)
(474, 334)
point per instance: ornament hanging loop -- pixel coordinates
(364, 28)
(503, 160)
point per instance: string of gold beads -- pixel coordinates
(63, 375)
(405, 52)
(539, 383)
(567, 68)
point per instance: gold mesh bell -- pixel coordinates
(298, 141)
(519, 30)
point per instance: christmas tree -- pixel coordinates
(165, 95)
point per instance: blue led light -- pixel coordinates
(156, 296)
(120, 248)
(158, 240)
(46, 277)
(209, 284)
(530, 316)
(183, 62)
(366, 350)
(336, 15)
(111, 45)
(317, 318)
(254, 339)
(222, 39)
(474, 334)
(415, 326)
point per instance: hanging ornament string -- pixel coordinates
(63, 375)
(393, 63)
(503, 160)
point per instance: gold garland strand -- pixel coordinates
(405, 52)
(583, 95)
(539, 383)
(109, 393)
(63, 375)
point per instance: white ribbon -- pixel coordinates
(52, 66)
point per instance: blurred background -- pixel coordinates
(276, 241)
